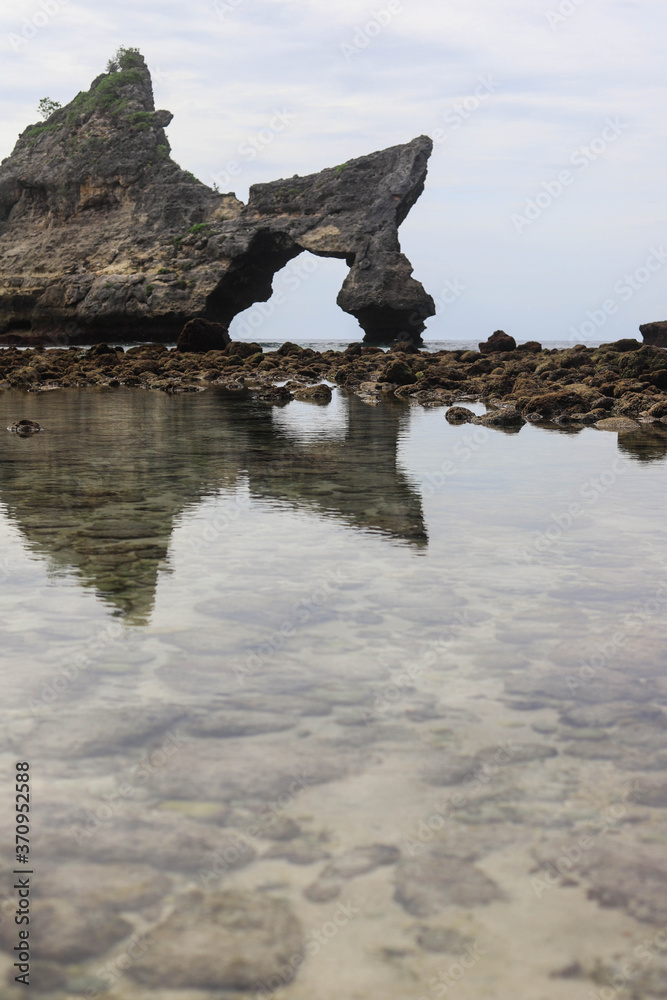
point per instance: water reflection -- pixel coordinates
(647, 444)
(320, 740)
(99, 491)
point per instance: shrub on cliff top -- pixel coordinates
(125, 58)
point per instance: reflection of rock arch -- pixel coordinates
(107, 512)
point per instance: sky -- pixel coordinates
(544, 212)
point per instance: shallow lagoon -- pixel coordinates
(395, 686)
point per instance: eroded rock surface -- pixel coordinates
(102, 234)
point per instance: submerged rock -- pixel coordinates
(24, 428)
(618, 873)
(226, 940)
(442, 940)
(100, 230)
(355, 862)
(436, 880)
(69, 931)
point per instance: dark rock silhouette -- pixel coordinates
(103, 236)
(654, 334)
(498, 341)
(200, 335)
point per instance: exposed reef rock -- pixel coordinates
(103, 236)
(655, 333)
(498, 341)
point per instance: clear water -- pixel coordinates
(369, 673)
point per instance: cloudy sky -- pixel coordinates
(544, 212)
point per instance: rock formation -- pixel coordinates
(655, 334)
(103, 236)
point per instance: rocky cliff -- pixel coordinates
(103, 236)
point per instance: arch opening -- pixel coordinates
(301, 305)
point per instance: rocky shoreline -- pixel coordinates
(625, 381)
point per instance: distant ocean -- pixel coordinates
(429, 345)
(339, 345)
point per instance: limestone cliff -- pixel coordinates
(102, 235)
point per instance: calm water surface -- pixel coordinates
(333, 702)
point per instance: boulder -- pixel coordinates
(397, 373)
(506, 417)
(654, 333)
(201, 335)
(314, 394)
(619, 424)
(624, 345)
(658, 409)
(242, 349)
(498, 341)
(459, 415)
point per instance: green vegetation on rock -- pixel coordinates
(141, 120)
(106, 96)
(47, 107)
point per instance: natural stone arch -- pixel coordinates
(102, 234)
